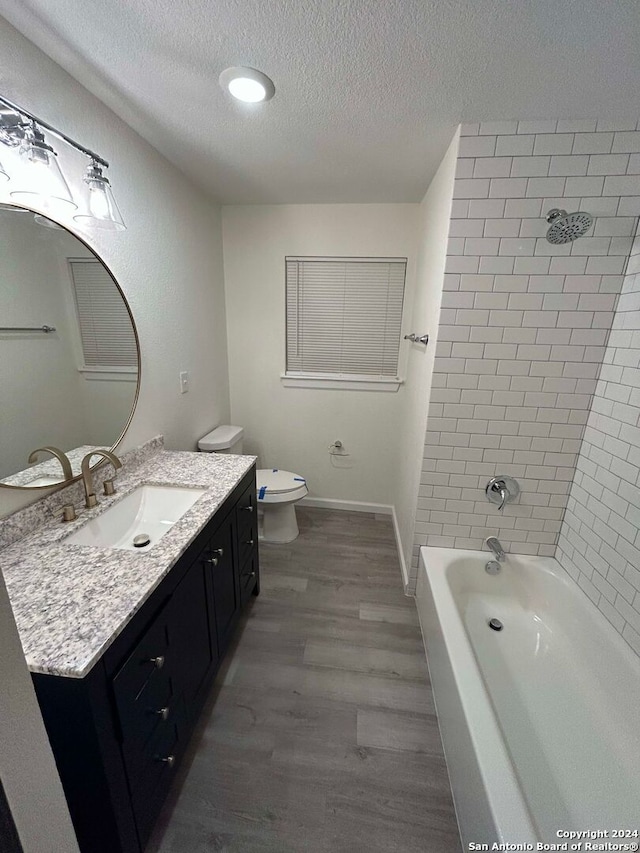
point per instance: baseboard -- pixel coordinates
(358, 506)
(403, 564)
(347, 506)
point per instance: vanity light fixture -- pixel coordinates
(247, 84)
(103, 212)
(41, 182)
(44, 183)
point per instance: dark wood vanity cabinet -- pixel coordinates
(119, 733)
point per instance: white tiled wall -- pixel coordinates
(523, 325)
(599, 542)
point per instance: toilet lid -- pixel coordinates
(274, 481)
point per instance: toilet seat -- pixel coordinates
(277, 486)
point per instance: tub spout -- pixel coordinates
(493, 544)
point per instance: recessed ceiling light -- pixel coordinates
(247, 84)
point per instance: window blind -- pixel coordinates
(106, 331)
(344, 315)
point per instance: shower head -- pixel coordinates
(566, 227)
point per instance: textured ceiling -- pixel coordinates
(368, 92)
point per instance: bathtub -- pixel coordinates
(540, 721)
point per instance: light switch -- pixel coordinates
(184, 381)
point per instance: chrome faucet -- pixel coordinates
(501, 490)
(90, 496)
(493, 544)
(60, 455)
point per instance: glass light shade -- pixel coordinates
(247, 84)
(102, 210)
(43, 184)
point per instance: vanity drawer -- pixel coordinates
(146, 718)
(248, 578)
(247, 512)
(156, 771)
(144, 676)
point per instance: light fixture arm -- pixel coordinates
(32, 118)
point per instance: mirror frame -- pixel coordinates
(58, 486)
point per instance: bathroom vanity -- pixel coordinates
(123, 645)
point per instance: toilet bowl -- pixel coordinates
(277, 491)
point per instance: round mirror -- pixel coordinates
(69, 353)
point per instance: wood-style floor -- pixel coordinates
(321, 735)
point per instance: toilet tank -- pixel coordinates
(222, 439)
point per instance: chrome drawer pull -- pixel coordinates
(249, 542)
(157, 662)
(163, 713)
(170, 760)
(213, 561)
(247, 508)
(252, 574)
(218, 551)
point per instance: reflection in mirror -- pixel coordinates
(68, 352)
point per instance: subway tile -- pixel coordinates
(603, 265)
(482, 245)
(533, 227)
(521, 145)
(501, 227)
(626, 141)
(553, 143)
(471, 187)
(591, 246)
(466, 228)
(523, 207)
(517, 246)
(532, 266)
(571, 164)
(586, 125)
(543, 187)
(477, 146)
(461, 264)
(538, 126)
(608, 164)
(614, 226)
(492, 167)
(568, 266)
(496, 265)
(525, 301)
(600, 205)
(481, 209)
(616, 124)
(526, 167)
(624, 185)
(508, 188)
(592, 143)
(590, 186)
(629, 206)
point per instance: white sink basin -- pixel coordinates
(148, 510)
(45, 480)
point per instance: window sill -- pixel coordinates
(339, 382)
(109, 374)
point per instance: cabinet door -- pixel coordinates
(195, 651)
(224, 581)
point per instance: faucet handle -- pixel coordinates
(109, 487)
(501, 490)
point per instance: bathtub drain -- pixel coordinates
(495, 625)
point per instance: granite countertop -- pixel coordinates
(71, 601)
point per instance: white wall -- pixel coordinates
(168, 262)
(433, 232)
(292, 428)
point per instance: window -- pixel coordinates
(344, 317)
(106, 332)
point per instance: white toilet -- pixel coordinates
(278, 491)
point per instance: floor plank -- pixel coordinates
(320, 735)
